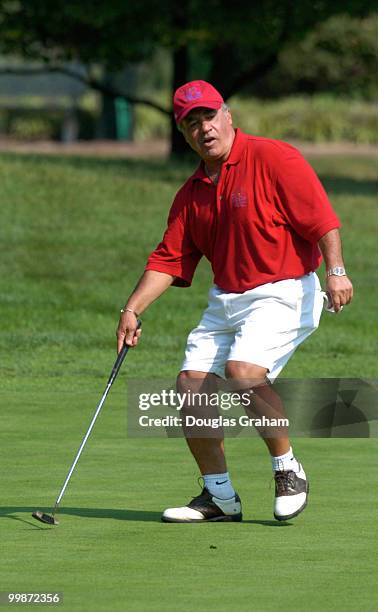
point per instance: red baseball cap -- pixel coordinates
(194, 95)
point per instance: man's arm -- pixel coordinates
(150, 286)
(339, 288)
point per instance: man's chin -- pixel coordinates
(211, 155)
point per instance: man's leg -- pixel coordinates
(291, 484)
(207, 451)
(264, 402)
(218, 500)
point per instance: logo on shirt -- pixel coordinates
(193, 93)
(239, 199)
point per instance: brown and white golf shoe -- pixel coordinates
(291, 493)
(205, 508)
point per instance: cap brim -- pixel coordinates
(213, 105)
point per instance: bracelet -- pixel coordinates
(129, 310)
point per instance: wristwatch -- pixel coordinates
(337, 271)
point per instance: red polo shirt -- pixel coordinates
(260, 224)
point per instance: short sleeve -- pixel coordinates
(176, 254)
(301, 198)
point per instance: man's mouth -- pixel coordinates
(207, 142)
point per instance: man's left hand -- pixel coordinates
(340, 290)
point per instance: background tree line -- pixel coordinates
(264, 49)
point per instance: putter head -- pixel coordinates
(45, 518)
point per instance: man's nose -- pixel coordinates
(206, 126)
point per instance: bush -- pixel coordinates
(314, 119)
(31, 128)
(150, 124)
(40, 124)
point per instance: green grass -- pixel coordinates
(74, 236)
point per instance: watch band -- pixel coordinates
(337, 271)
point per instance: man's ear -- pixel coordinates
(183, 132)
(181, 128)
(186, 138)
(229, 116)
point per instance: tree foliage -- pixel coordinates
(110, 32)
(340, 55)
(231, 44)
(239, 39)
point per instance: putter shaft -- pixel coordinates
(45, 518)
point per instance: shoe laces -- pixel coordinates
(201, 486)
(284, 481)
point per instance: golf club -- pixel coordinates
(50, 518)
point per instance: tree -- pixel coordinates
(340, 54)
(240, 41)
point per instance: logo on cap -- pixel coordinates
(193, 93)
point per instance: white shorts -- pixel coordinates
(262, 326)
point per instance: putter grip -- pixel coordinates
(120, 358)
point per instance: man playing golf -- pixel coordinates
(257, 211)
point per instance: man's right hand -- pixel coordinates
(150, 286)
(127, 332)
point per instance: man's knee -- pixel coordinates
(191, 378)
(196, 389)
(248, 374)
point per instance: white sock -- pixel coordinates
(286, 462)
(219, 485)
